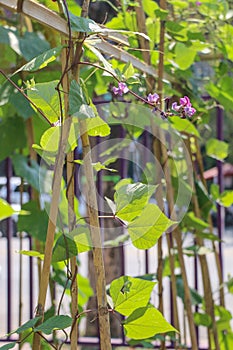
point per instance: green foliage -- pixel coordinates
(216, 149)
(54, 323)
(11, 129)
(45, 97)
(146, 322)
(130, 297)
(129, 293)
(146, 229)
(35, 223)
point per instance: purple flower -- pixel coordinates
(153, 98)
(122, 89)
(175, 107)
(198, 3)
(185, 108)
(189, 111)
(185, 101)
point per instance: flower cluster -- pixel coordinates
(185, 108)
(122, 89)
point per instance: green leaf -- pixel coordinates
(184, 55)
(129, 293)
(82, 238)
(128, 70)
(84, 290)
(8, 346)
(84, 25)
(217, 149)
(34, 224)
(27, 325)
(31, 173)
(33, 253)
(202, 319)
(5, 209)
(41, 61)
(130, 199)
(45, 97)
(97, 127)
(226, 198)
(65, 248)
(13, 136)
(204, 201)
(79, 106)
(184, 125)
(54, 323)
(146, 229)
(145, 323)
(21, 105)
(191, 221)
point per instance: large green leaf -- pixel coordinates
(30, 172)
(65, 248)
(184, 55)
(145, 322)
(41, 61)
(146, 229)
(21, 104)
(217, 149)
(45, 97)
(130, 199)
(129, 293)
(54, 323)
(184, 125)
(13, 136)
(27, 325)
(35, 224)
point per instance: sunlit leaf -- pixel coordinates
(184, 125)
(146, 229)
(145, 323)
(201, 319)
(32, 253)
(217, 149)
(41, 61)
(45, 97)
(129, 293)
(5, 209)
(130, 199)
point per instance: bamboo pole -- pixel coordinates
(92, 207)
(51, 227)
(208, 296)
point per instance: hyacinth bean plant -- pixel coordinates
(144, 65)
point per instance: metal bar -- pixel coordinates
(220, 209)
(9, 247)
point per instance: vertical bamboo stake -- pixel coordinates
(92, 207)
(71, 214)
(51, 226)
(216, 254)
(208, 296)
(141, 20)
